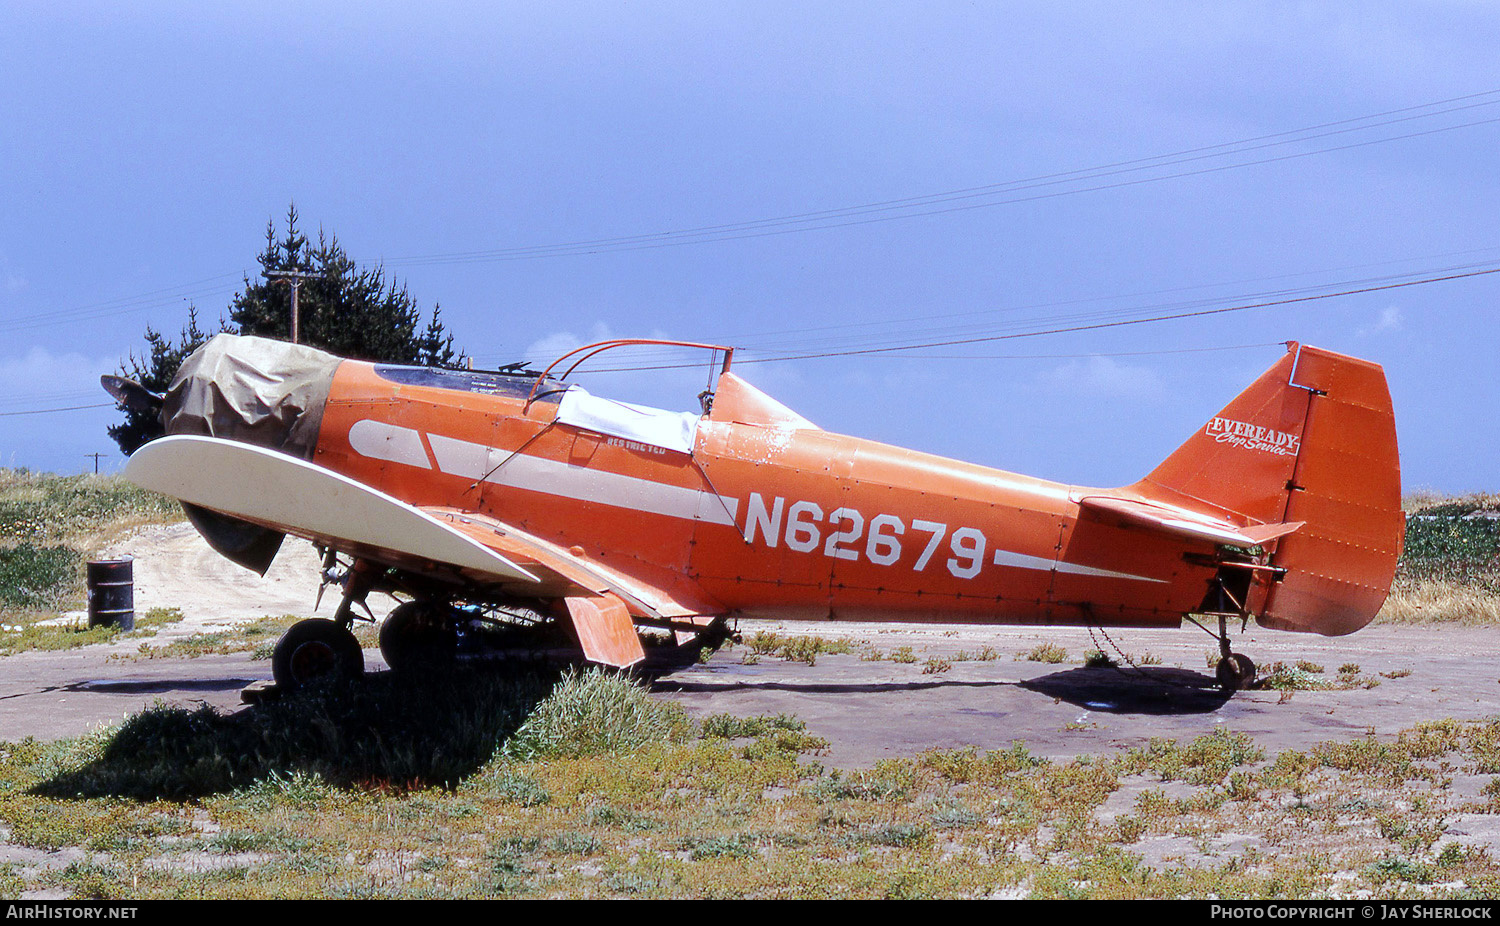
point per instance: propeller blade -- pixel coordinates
(131, 394)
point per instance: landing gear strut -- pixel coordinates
(1235, 671)
(318, 648)
(1227, 594)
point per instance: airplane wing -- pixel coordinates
(599, 599)
(288, 494)
(1179, 522)
(559, 566)
(285, 493)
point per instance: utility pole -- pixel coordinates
(96, 457)
(292, 278)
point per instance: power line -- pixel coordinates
(798, 342)
(48, 411)
(1071, 329)
(749, 339)
(910, 207)
(1261, 345)
(1136, 321)
(120, 306)
(770, 341)
(1118, 323)
(866, 213)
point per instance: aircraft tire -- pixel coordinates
(315, 649)
(1236, 672)
(418, 635)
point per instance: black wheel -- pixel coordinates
(1236, 672)
(418, 634)
(315, 649)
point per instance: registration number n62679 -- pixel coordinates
(845, 533)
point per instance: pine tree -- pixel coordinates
(342, 309)
(154, 370)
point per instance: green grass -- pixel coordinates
(794, 647)
(49, 526)
(1049, 653)
(35, 578)
(25, 632)
(47, 509)
(594, 712)
(494, 785)
(258, 637)
(1450, 564)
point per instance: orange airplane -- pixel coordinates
(504, 497)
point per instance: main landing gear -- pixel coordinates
(432, 631)
(317, 648)
(417, 635)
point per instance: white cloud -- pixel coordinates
(40, 378)
(547, 349)
(1104, 377)
(11, 280)
(1388, 320)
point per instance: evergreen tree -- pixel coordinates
(341, 309)
(154, 370)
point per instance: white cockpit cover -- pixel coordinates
(651, 426)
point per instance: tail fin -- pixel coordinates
(1313, 440)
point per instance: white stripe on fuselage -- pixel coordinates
(1022, 561)
(469, 460)
(381, 441)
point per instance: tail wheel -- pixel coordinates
(1236, 672)
(418, 634)
(315, 649)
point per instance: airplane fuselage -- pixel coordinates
(535, 500)
(761, 519)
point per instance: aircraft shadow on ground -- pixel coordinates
(159, 685)
(388, 729)
(674, 685)
(1136, 690)
(1154, 690)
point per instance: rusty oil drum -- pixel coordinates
(111, 585)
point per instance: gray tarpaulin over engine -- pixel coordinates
(257, 391)
(253, 390)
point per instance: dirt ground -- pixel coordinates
(868, 709)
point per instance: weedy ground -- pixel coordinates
(40, 630)
(1450, 565)
(49, 527)
(530, 785)
(580, 785)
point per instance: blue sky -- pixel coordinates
(144, 150)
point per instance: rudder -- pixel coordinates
(1348, 489)
(1312, 440)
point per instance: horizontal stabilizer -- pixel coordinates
(1178, 522)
